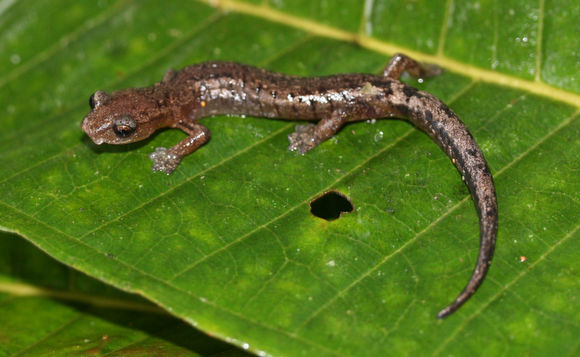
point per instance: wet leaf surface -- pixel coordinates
(227, 243)
(50, 309)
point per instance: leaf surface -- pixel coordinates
(49, 309)
(227, 242)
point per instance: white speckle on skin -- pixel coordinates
(308, 99)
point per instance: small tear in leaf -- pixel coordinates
(330, 205)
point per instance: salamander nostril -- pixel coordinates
(330, 205)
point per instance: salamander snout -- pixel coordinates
(86, 126)
(96, 100)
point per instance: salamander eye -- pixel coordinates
(124, 126)
(98, 98)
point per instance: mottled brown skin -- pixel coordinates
(216, 88)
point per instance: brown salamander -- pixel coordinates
(216, 88)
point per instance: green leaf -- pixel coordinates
(227, 242)
(49, 309)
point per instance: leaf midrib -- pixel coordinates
(315, 28)
(267, 13)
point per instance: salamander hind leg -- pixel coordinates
(308, 136)
(400, 63)
(166, 160)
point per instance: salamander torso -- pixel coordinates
(215, 88)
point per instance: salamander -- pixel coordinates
(217, 88)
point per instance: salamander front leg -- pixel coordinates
(400, 63)
(308, 136)
(167, 159)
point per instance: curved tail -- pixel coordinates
(480, 182)
(447, 130)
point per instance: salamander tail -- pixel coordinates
(477, 176)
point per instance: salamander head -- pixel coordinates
(122, 117)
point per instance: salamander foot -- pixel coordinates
(164, 160)
(303, 139)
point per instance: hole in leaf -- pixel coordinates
(330, 205)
